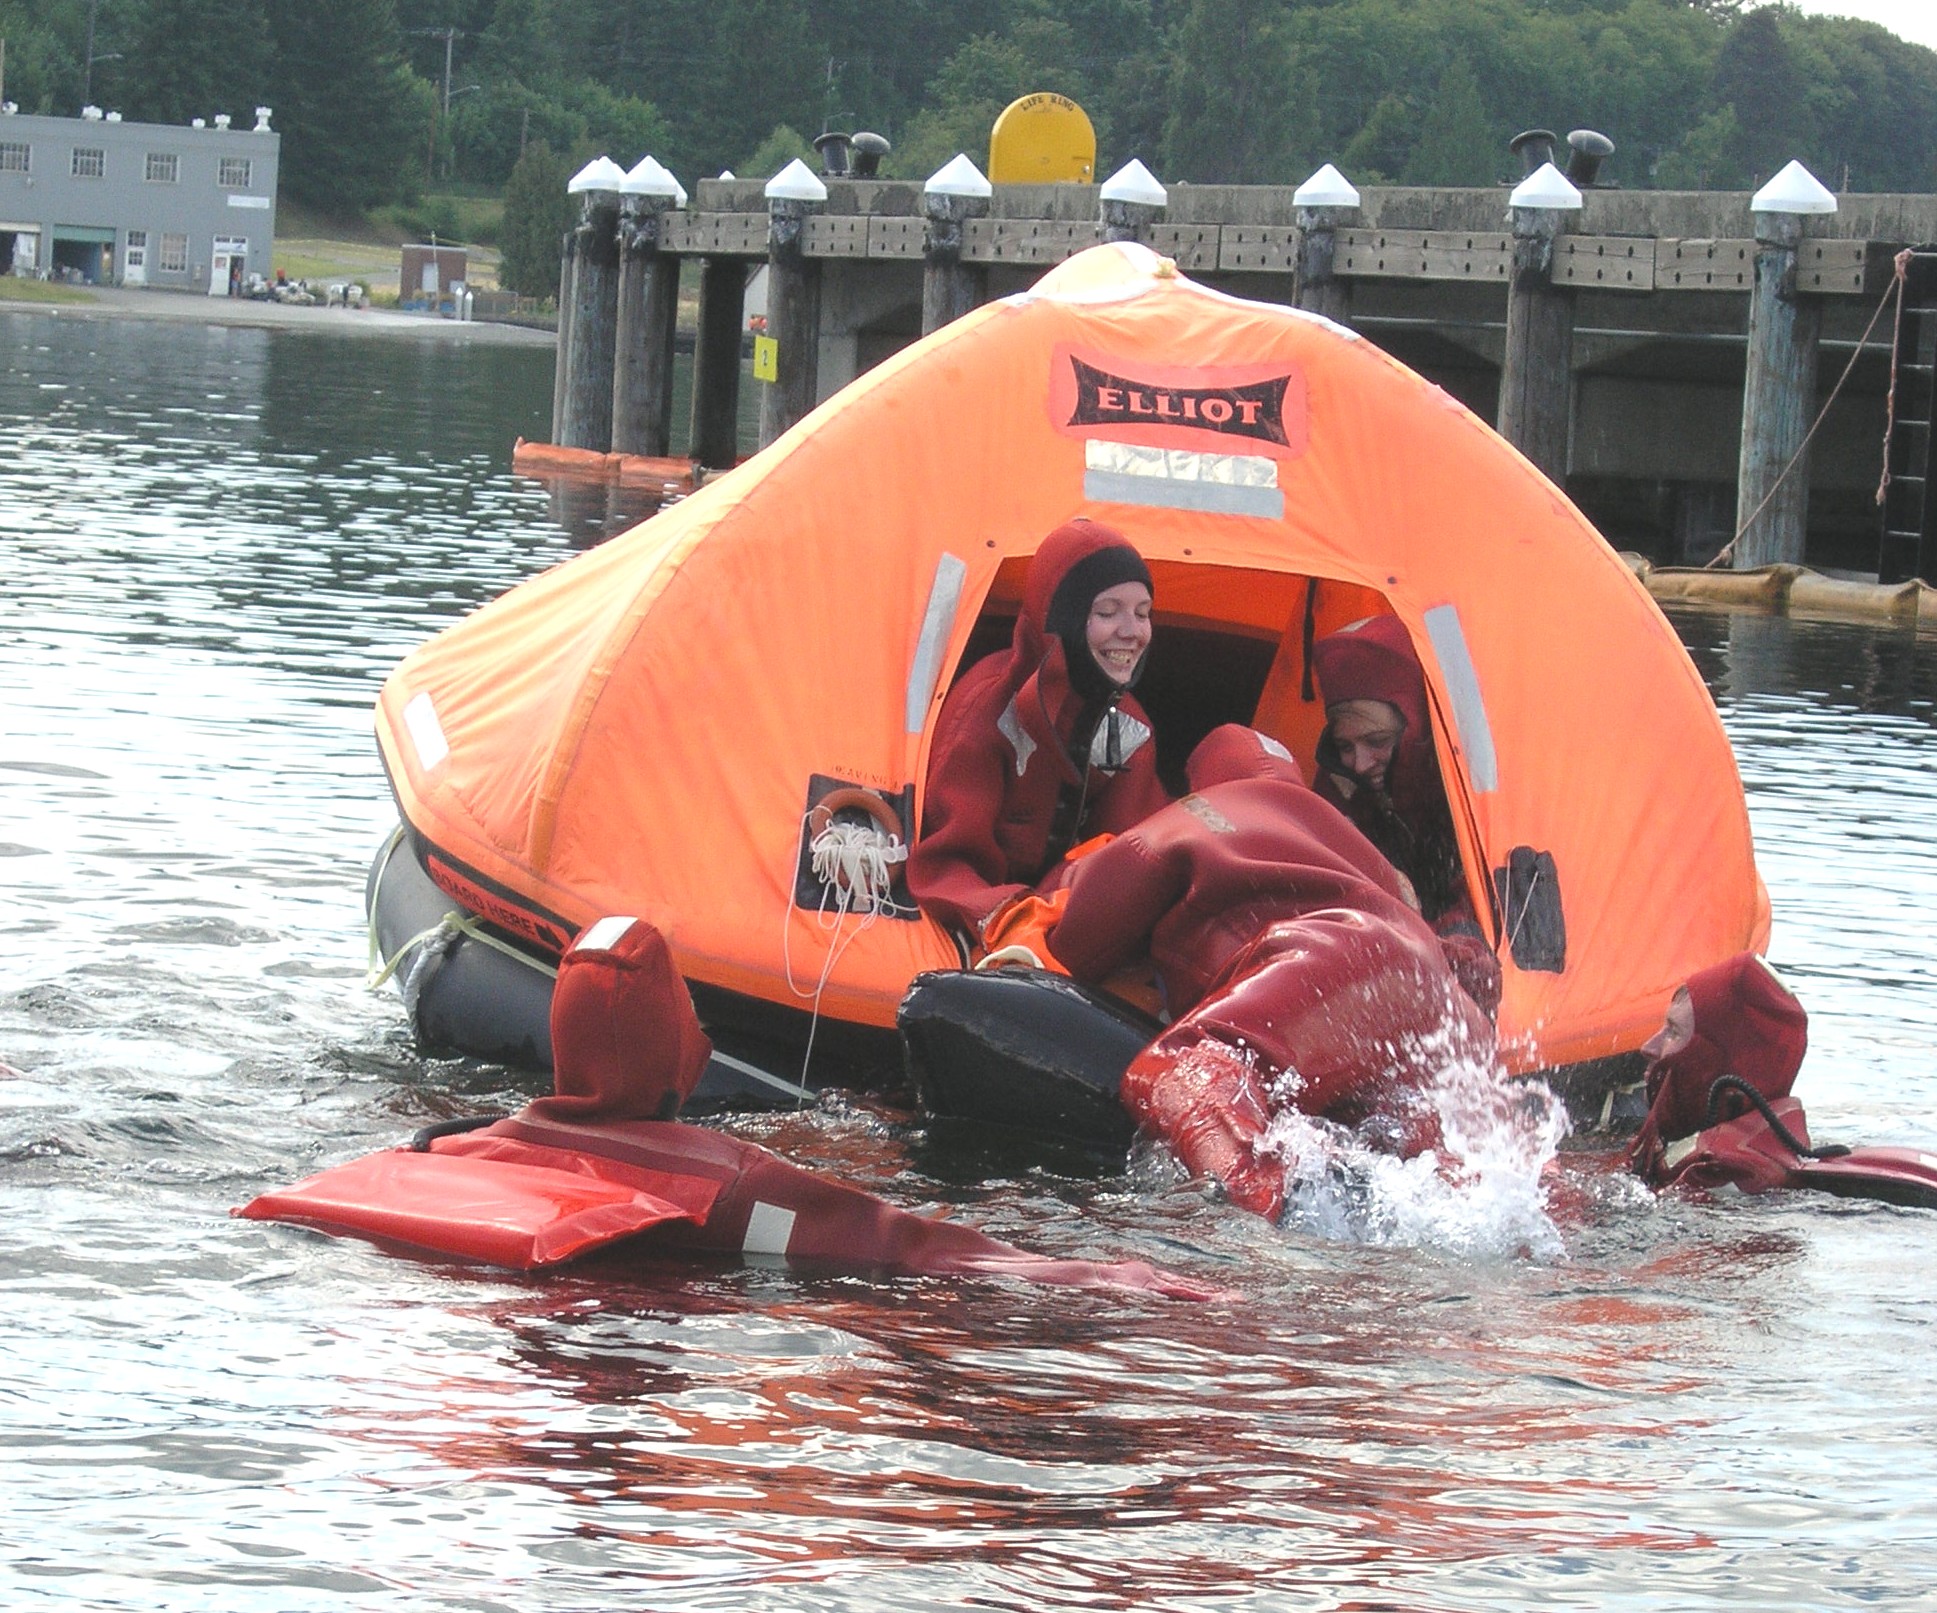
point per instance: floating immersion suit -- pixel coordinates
(1036, 749)
(600, 1160)
(1286, 945)
(1720, 1111)
(1406, 817)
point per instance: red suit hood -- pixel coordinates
(1373, 659)
(1748, 1024)
(626, 1044)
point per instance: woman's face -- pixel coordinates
(1677, 1030)
(1118, 630)
(1365, 734)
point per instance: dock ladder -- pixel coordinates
(1907, 545)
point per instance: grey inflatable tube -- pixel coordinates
(467, 996)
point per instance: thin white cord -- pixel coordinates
(855, 866)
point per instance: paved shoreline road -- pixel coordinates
(187, 308)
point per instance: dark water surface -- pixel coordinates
(215, 543)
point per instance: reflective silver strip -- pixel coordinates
(769, 1230)
(1463, 686)
(944, 594)
(426, 732)
(606, 934)
(1162, 493)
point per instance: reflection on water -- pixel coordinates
(215, 544)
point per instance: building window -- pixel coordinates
(137, 240)
(16, 157)
(174, 254)
(164, 168)
(233, 174)
(90, 162)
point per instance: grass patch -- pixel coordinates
(15, 289)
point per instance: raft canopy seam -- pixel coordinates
(1469, 706)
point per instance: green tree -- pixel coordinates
(776, 151)
(1756, 73)
(1457, 142)
(537, 213)
(1232, 118)
(194, 58)
(355, 121)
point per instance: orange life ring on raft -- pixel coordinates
(852, 798)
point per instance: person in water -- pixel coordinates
(1732, 1019)
(1045, 746)
(1299, 968)
(1377, 764)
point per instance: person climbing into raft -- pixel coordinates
(1286, 944)
(1044, 746)
(1720, 1109)
(1377, 764)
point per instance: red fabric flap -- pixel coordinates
(504, 1213)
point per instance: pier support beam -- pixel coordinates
(1316, 286)
(793, 300)
(567, 267)
(716, 363)
(953, 195)
(587, 418)
(1778, 401)
(1129, 202)
(642, 375)
(1537, 378)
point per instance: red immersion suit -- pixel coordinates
(1005, 798)
(1276, 929)
(1406, 817)
(628, 1050)
(1747, 1024)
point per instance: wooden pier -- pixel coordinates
(1662, 355)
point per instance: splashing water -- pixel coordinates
(1481, 1192)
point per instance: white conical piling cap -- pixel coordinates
(1794, 190)
(649, 177)
(1546, 187)
(601, 173)
(796, 183)
(728, 173)
(1326, 188)
(1134, 183)
(959, 177)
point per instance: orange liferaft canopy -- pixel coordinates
(643, 729)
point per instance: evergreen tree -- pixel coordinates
(1231, 117)
(355, 121)
(194, 58)
(1757, 75)
(537, 213)
(1457, 142)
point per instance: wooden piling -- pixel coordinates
(587, 420)
(1125, 220)
(793, 317)
(1317, 288)
(716, 363)
(949, 287)
(1537, 378)
(567, 266)
(648, 309)
(1778, 401)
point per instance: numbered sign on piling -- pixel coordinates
(766, 359)
(1042, 139)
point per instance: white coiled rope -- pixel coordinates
(854, 864)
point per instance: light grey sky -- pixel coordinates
(1914, 20)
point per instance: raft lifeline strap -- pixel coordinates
(452, 923)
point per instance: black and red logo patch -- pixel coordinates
(1233, 409)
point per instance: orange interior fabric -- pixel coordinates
(635, 731)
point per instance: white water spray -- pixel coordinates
(1481, 1193)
